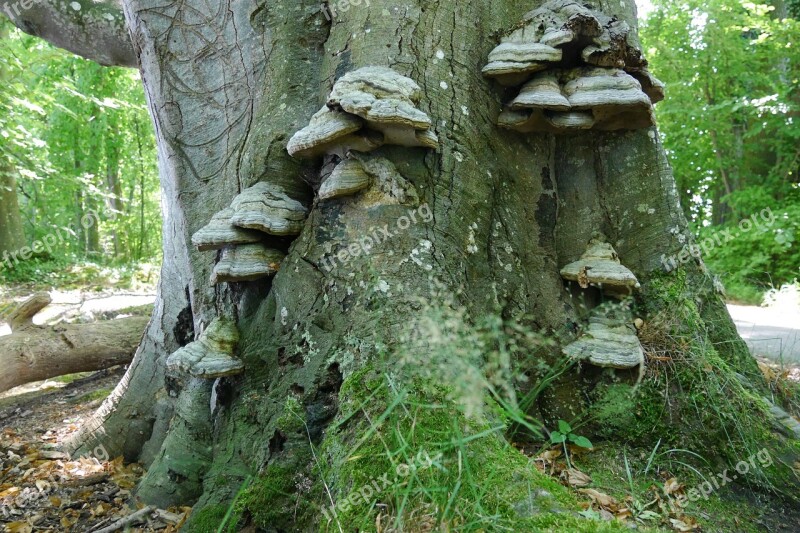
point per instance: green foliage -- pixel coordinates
(732, 70)
(79, 140)
(756, 260)
(565, 434)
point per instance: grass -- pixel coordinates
(435, 421)
(99, 394)
(71, 273)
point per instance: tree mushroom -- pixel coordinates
(583, 98)
(615, 92)
(571, 120)
(511, 63)
(652, 86)
(266, 208)
(614, 97)
(600, 266)
(348, 178)
(221, 232)
(542, 92)
(211, 356)
(366, 109)
(610, 341)
(333, 132)
(249, 262)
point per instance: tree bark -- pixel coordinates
(95, 30)
(12, 237)
(33, 353)
(227, 85)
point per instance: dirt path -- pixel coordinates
(771, 332)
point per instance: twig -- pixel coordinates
(122, 522)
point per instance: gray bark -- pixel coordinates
(95, 30)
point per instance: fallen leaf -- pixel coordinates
(672, 486)
(18, 527)
(583, 278)
(549, 455)
(603, 500)
(684, 524)
(576, 478)
(606, 516)
(10, 492)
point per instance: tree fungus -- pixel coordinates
(212, 355)
(584, 70)
(367, 108)
(600, 267)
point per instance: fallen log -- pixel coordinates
(33, 353)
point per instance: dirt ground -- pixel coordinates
(40, 489)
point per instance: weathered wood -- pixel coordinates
(34, 353)
(22, 316)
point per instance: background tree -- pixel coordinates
(730, 129)
(350, 372)
(11, 236)
(81, 154)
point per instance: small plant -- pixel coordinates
(564, 435)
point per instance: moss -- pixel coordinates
(70, 378)
(637, 476)
(414, 459)
(693, 396)
(99, 394)
(292, 418)
(208, 520)
(634, 414)
(278, 500)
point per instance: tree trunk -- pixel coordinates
(12, 237)
(326, 349)
(33, 353)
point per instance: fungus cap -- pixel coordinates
(266, 208)
(221, 232)
(211, 356)
(249, 262)
(600, 266)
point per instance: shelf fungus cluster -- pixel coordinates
(600, 267)
(367, 108)
(212, 355)
(610, 339)
(244, 230)
(576, 69)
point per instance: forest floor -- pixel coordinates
(41, 489)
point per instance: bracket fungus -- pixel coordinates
(211, 356)
(222, 232)
(242, 229)
(266, 208)
(348, 178)
(610, 341)
(367, 108)
(579, 69)
(600, 266)
(249, 262)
